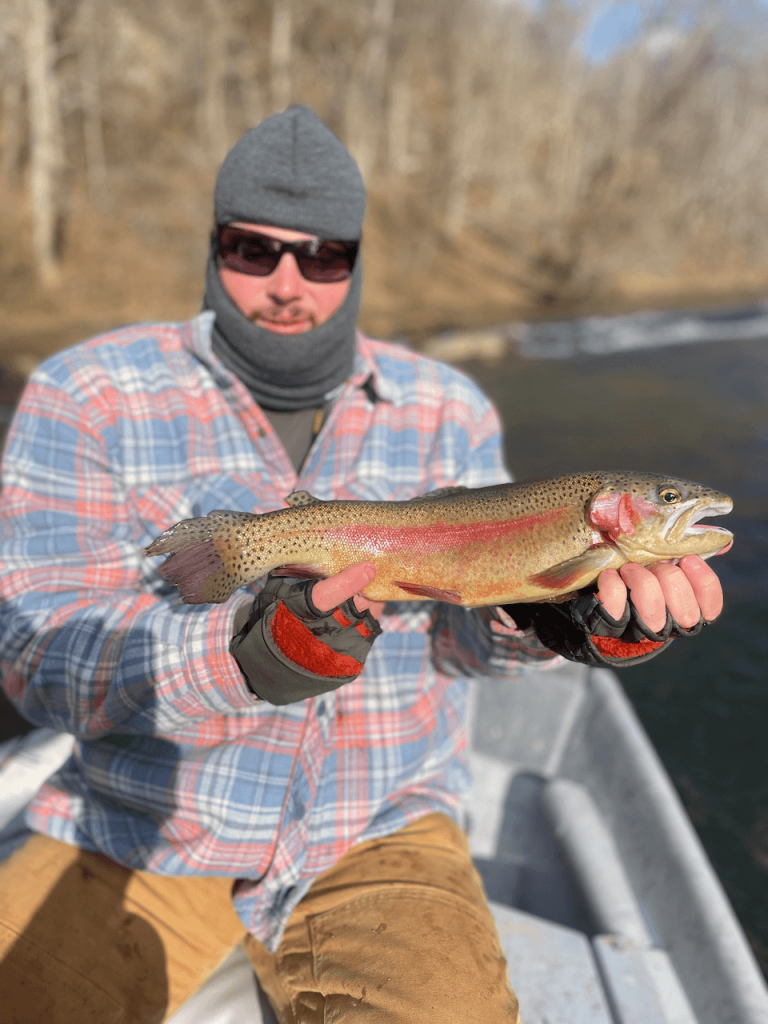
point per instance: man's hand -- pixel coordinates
(327, 594)
(307, 637)
(688, 590)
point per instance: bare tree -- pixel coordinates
(90, 94)
(400, 160)
(216, 37)
(11, 95)
(469, 121)
(366, 89)
(46, 157)
(479, 117)
(280, 46)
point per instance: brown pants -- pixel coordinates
(398, 931)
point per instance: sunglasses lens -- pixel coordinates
(332, 261)
(258, 255)
(246, 253)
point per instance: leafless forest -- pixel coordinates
(508, 176)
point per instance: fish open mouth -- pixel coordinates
(685, 519)
(684, 525)
(692, 524)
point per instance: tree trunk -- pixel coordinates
(214, 98)
(400, 160)
(13, 127)
(280, 44)
(90, 93)
(469, 113)
(46, 158)
(365, 100)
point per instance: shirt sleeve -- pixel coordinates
(484, 641)
(91, 638)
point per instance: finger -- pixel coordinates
(330, 593)
(374, 607)
(612, 592)
(646, 595)
(678, 593)
(706, 586)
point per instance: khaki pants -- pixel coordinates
(398, 931)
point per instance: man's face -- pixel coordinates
(285, 302)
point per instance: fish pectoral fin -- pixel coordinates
(441, 492)
(429, 593)
(566, 574)
(298, 498)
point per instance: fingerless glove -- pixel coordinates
(582, 630)
(289, 650)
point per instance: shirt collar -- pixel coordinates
(197, 338)
(367, 372)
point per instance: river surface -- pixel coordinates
(697, 411)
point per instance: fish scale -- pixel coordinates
(530, 541)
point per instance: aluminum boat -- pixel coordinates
(607, 906)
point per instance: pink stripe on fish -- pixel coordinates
(437, 537)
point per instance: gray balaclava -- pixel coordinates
(291, 172)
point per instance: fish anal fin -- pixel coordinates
(429, 593)
(298, 498)
(572, 571)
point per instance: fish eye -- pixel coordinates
(669, 494)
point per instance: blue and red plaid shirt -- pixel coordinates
(177, 768)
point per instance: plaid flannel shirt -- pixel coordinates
(177, 769)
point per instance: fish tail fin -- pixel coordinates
(204, 563)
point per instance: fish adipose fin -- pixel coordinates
(441, 492)
(429, 593)
(570, 573)
(298, 498)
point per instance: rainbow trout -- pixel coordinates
(530, 541)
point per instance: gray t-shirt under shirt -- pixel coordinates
(297, 431)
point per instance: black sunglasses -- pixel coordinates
(320, 260)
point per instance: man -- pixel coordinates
(285, 771)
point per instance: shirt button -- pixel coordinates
(321, 708)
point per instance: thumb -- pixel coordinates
(330, 593)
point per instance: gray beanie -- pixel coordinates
(291, 172)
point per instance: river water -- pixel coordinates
(697, 411)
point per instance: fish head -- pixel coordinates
(649, 518)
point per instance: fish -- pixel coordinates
(532, 541)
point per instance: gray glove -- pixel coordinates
(583, 631)
(289, 650)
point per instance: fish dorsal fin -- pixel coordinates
(298, 498)
(441, 492)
